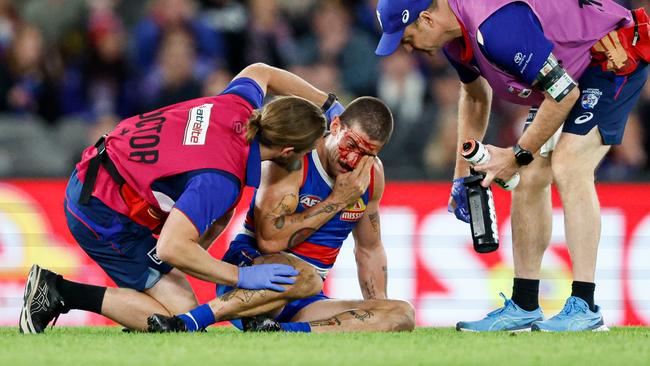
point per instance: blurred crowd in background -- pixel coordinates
(71, 69)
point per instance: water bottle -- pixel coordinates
(476, 153)
(483, 215)
(480, 202)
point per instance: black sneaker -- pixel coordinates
(41, 301)
(159, 323)
(260, 323)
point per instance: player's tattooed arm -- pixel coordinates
(277, 224)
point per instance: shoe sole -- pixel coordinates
(601, 328)
(26, 324)
(522, 330)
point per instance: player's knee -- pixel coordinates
(566, 174)
(403, 316)
(533, 179)
(308, 283)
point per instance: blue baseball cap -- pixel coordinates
(394, 16)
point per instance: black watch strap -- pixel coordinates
(331, 99)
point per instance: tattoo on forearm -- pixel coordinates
(374, 221)
(242, 295)
(332, 207)
(279, 222)
(324, 323)
(300, 236)
(385, 270)
(361, 315)
(228, 295)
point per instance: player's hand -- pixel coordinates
(458, 200)
(266, 277)
(502, 165)
(351, 185)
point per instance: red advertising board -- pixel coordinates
(431, 259)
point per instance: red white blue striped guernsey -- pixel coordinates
(322, 247)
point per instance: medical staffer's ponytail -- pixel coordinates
(287, 121)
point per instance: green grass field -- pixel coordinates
(225, 346)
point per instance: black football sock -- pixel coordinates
(525, 293)
(81, 296)
(585, 291)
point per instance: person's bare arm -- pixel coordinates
(473, 113)
(549, 118)
(372, 268)
(278, 227)
(282, 82)
(179, 246)
(213, 232)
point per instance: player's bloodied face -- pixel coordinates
(351, 145)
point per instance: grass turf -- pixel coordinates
(225, 346)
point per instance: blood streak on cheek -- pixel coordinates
(351, 156)
(345, 155)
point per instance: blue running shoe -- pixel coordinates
(576, 316)
(510, 318)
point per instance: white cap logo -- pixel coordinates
(379, 19)
(405, 16)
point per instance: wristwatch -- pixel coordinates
(331, 99)
(523, 156)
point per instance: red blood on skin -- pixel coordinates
(351, 155)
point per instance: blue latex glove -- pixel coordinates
(266, 276)
(459, 194)
(334, 111)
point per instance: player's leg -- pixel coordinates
(574, 164)
(126, 252)
(597, 121)
(333, 315)
(241, 303)
(531, 215)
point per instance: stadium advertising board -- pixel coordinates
(431, 259)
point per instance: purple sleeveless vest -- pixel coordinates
(571, 29)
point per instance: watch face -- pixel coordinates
(524, 157)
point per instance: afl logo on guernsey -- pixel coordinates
(198, 122)
(354, 212)
(308, 201)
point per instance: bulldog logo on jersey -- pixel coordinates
(353, 213)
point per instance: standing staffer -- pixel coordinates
(178, 172)
(578, 62)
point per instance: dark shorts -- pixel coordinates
(242, 252)
(606, 101)
(125, 250)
